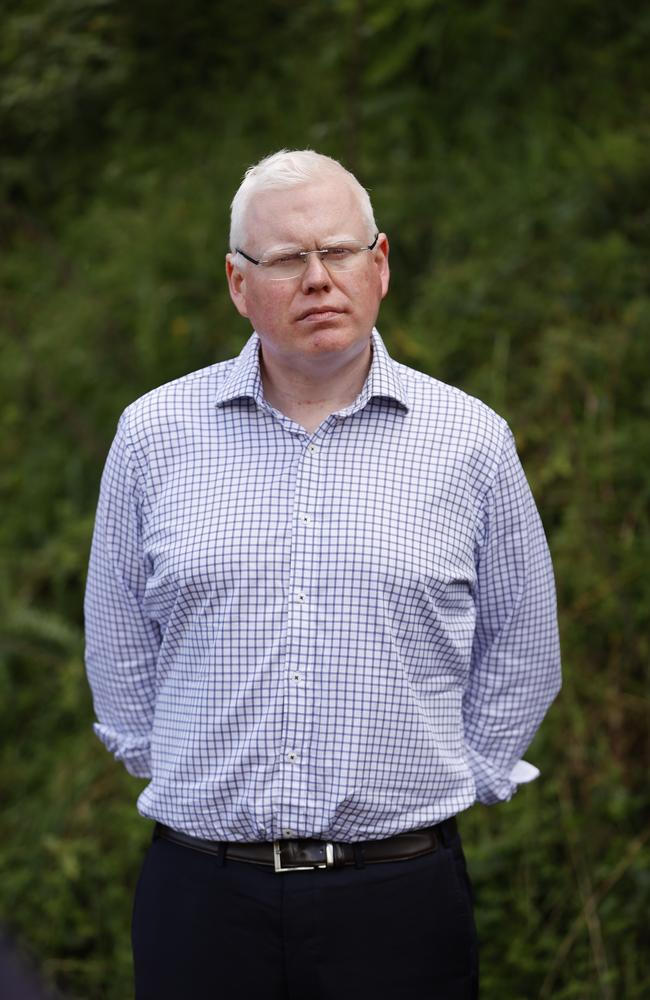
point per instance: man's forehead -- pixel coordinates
(325, 201)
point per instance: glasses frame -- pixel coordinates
(303, 254)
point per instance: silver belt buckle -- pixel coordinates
(277, 860)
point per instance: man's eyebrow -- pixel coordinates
(284, 248)
(296, 247)
(344, 238)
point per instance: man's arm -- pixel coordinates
(515, 671)
(121, 642)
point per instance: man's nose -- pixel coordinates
(315, 274)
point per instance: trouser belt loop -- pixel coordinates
(358, 856)
(446, 831)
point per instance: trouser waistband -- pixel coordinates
(304, 853)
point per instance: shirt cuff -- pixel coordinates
(135, 754)
(493, 784)
(523, 772)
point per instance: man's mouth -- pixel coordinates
(320, 312)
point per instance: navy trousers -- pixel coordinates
(207, 930)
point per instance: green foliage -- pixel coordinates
(505, 146)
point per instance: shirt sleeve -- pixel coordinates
(515, 665)
(121, 642)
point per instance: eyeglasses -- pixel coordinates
(290, 264)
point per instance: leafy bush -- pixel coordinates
(507, 158)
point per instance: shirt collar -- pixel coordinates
(244, 378)
(383, 378)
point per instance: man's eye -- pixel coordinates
(339, 251)
(285, 258)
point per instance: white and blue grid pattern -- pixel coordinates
(344, 634)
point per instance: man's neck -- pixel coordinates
(308, 397)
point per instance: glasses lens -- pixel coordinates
(335, 257)
(284, 266)
(341, 256)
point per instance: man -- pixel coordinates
(321, 619)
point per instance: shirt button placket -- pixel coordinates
(299, 665)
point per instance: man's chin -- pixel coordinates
(336, 340)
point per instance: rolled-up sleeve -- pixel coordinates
(515, 666)
(122, 644)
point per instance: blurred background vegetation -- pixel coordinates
(507, 149)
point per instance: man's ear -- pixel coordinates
(236, 285)
(381, 258)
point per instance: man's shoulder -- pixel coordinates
(183, 400)
(437, 401)
(189, 389)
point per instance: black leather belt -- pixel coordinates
(305, 853)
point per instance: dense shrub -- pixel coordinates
(505, 146)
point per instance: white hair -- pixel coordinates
(286, 169)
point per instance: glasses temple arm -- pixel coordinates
(251, 259)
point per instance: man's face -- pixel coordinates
(318, 316)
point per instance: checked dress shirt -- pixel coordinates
(345, 635)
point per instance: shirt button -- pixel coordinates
(300, 597)
(305, 518)
(287, 833)
(312, 449)
(293, 757)
(295, 677)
